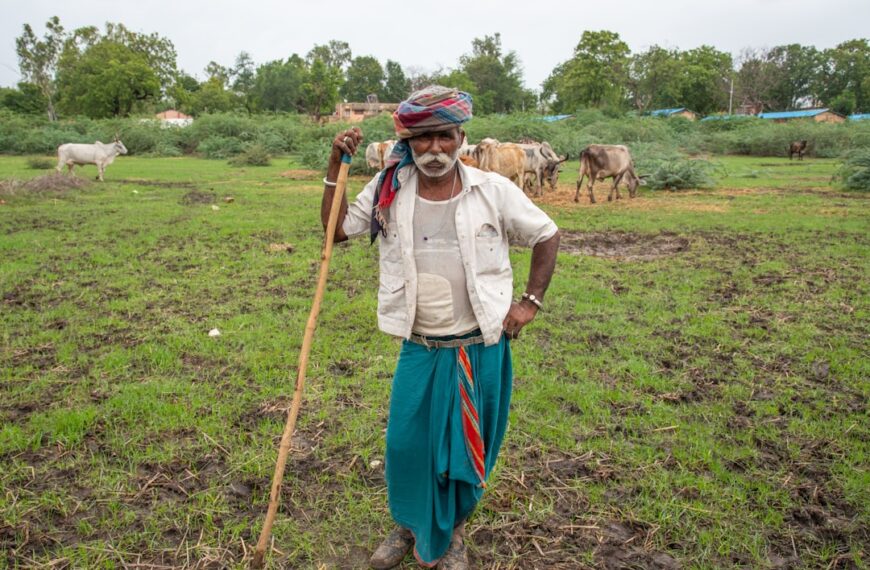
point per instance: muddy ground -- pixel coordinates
(569, 537)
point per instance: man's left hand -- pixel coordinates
(519, 315)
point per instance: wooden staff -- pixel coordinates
(284, 448)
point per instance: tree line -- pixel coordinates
(116, 72)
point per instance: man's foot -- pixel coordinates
(393, 549)
(456, 557)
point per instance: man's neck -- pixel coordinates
(439, 187)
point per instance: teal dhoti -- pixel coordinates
(448, 415)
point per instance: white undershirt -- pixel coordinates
(443, 306)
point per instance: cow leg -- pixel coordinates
(70, 166)
(577, 193)
(589, 190)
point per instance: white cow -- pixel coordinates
(71, 154)
(378, 152)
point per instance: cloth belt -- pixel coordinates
(428, 342)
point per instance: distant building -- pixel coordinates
(356, 112)
(859, 117)
(817, 115)
(174, 118)
(677, 112)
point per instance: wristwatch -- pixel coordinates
(537, 302)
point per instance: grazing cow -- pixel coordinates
(102, 155)
(542, 163)
(378, 152)
(507, 159)
(797, 148)
(468, 160)
(600, 161)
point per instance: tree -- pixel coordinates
(182, 92)
(38, 59)
(320, 89)
(595, 76)
(364, 76)
(335, 54)
(243, 73)
(396, 85)
(706, 74)
(158, 52)
(217, 72)
(497, 77)
(797, 71)
(26, 99)
(278, 85)
(654, 79)
(213, 97)
(757, 79)
(107, 80)
(847, 68)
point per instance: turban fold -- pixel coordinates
(431, 109)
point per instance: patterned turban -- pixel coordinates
(431, 109)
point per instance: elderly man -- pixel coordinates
(446, 287)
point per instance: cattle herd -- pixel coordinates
(528, 164)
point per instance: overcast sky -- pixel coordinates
(542, 33)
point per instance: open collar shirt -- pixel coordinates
(492, 214)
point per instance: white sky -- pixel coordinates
(543, 33)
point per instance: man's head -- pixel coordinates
(435, 152)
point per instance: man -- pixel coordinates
(446, 287)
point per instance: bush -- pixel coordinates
(253, 155)
(40, 163)
(220, 147)
(681, 174)
(855, 172)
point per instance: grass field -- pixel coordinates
(693, 396)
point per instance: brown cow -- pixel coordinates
(797, 148)
(600, 161)
(506, 159)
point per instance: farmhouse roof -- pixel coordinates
(172, 114)
(799, 114)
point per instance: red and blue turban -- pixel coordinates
(431, 109)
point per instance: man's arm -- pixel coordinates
(543, 264)
(345, 142)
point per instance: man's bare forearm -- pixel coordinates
(543, 264)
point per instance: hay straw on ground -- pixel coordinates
(50, 183)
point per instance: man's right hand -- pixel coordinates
(345, 142)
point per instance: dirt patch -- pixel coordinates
(198, 197)
(50, 183)
(625, 246)
(300, 174)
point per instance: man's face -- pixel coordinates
(435, 154)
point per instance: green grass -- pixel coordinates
(706, 407)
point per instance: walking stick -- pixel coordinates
(284, 448)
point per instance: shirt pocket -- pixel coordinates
(489, 249)
(391, 295)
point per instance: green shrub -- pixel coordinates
(40, 163)
(220, 147)
(253, 155)
(681, 174)
(855, 172)
(315, 155)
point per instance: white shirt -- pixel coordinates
(493, 214)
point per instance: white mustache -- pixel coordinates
(442, 159)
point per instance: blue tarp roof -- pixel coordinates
(554, 118)
(859, 117)
(666, 112)
(792, 114)
(726, 117)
